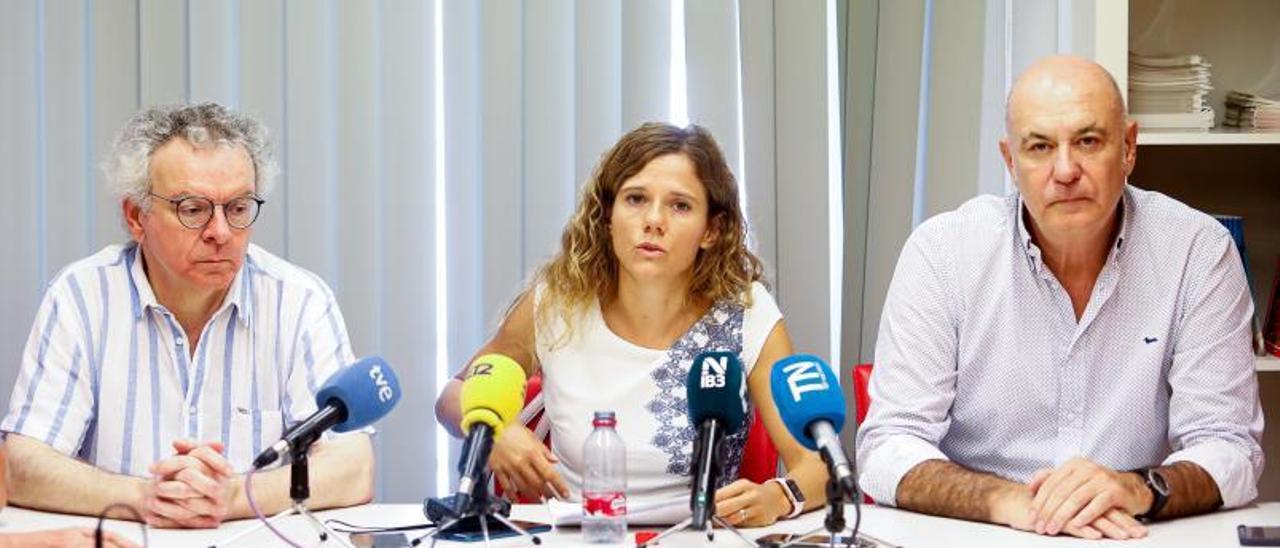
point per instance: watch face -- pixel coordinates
(795, 490)
(1157, 482)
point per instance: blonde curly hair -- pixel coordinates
(585, 270)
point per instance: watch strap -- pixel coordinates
(1159, 494)
(797, 506)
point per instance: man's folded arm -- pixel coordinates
(944, 488)
(1192, 490)
(913, 386)
(1215, 418)
(42, 478)
(341, 469)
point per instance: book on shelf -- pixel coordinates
(1271, 328)
(1235, 226)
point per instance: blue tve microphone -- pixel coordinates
(811, 405)
(717, 405)
(354, 397)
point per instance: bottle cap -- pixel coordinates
(604, 418)
(645, 536)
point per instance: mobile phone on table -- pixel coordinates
(379, 540)
(471, 531)
(1258, 536)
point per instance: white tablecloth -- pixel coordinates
(895, 526)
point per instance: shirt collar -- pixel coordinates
(237, 298)
(1126, 217)
(1032, 251)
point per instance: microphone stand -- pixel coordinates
(834, 523)
(710, 476)
(299, 492)
(483, 507)
(687, 524)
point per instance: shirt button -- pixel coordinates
(180, 342)
(192, 409)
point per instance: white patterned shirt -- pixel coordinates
(106, 375)
(981, 361)
(596, 370)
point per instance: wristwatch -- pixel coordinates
(794, 494)
(1159, 492)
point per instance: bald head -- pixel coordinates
(1063, 79)
(1070, 150)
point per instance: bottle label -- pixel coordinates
(605, 504)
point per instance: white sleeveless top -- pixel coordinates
(598, 370)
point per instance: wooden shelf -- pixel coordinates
(1216, 136)
(1268, 363)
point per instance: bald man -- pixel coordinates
(1073, 358)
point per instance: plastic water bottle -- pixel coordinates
(604, 483)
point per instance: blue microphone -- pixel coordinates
(717, 404)
(811, 405)
(353, 398)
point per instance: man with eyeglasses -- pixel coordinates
(156, 370)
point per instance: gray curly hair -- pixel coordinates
(128, 167)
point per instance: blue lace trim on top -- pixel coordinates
(720, 329)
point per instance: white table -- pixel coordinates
(895, 526)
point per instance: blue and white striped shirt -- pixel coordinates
(981, 360)
(106, 375)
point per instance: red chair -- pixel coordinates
(861, 380)
(759, 456)
(862, 399)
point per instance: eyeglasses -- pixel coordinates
(197, 211)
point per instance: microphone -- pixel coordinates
(354, 397)
(492, 397)
(717, 404)
(811, 405)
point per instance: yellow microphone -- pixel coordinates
(493, 393)
(492, 397)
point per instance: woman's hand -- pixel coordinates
(744, 503)
(521, 464)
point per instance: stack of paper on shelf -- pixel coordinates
(1249, 111)
(1170, 92)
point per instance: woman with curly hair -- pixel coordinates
(653, 268)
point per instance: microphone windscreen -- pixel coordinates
(493, 393)
(368, 389)
(716, 390)
(805, 390)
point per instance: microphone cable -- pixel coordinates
(354, 528)
(857, 518)
(253, 505)
(102, 516)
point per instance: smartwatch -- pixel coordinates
(794, 494)
(1159, 492)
